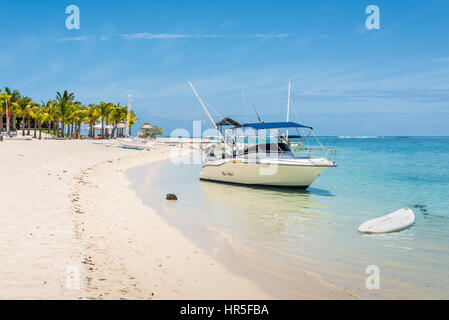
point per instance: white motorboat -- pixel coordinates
(246, 154)
(267, 163)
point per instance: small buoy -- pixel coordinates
(171, 196)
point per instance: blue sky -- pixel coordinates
(346, 80)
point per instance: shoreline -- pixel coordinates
(271, 272)
(73, 228)
(137, 255)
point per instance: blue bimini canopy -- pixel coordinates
(274, 125)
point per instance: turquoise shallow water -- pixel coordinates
(317, 229)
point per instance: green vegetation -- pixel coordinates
(62, 116)
(51, 132)
(151, 133)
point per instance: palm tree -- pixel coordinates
(132, 120)
(91, 119)
(30, 115)
(41, 115)
(79, 114)
(49, 108)
(104, 110)
(63, 107)
(24, 109)
(3, 108)
(118, 114)
(53, 111)
(14, 98)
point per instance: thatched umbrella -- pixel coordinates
(99, 126)
(146, 126)
(121, 125)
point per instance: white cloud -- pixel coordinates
(155, 36)
(162, 36)
(152, 36)
(80, 38)
(444, 59)
(269, 35)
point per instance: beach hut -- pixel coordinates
(146, 130)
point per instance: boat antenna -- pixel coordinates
(288, 104)
(205, 109)
(244, 103)
(254, 106)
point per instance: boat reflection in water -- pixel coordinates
(277, 230)
(267, 215)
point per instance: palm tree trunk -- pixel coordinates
(40, 130)
(23, 126)
(102, 128)
(107, 130)
(1, 122)
(29, 125)
(114, 129)
(13, 122)
(78, 130)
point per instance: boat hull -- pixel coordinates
(280, 175)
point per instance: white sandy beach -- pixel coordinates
(67, 207)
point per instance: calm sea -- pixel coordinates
(272, 234)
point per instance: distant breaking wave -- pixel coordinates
(358, 137)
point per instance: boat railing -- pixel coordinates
(218, 152)
(316, 152)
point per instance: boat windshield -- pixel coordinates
(279, 147)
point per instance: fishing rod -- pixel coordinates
(254, 106)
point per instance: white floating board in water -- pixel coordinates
(392, 222)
